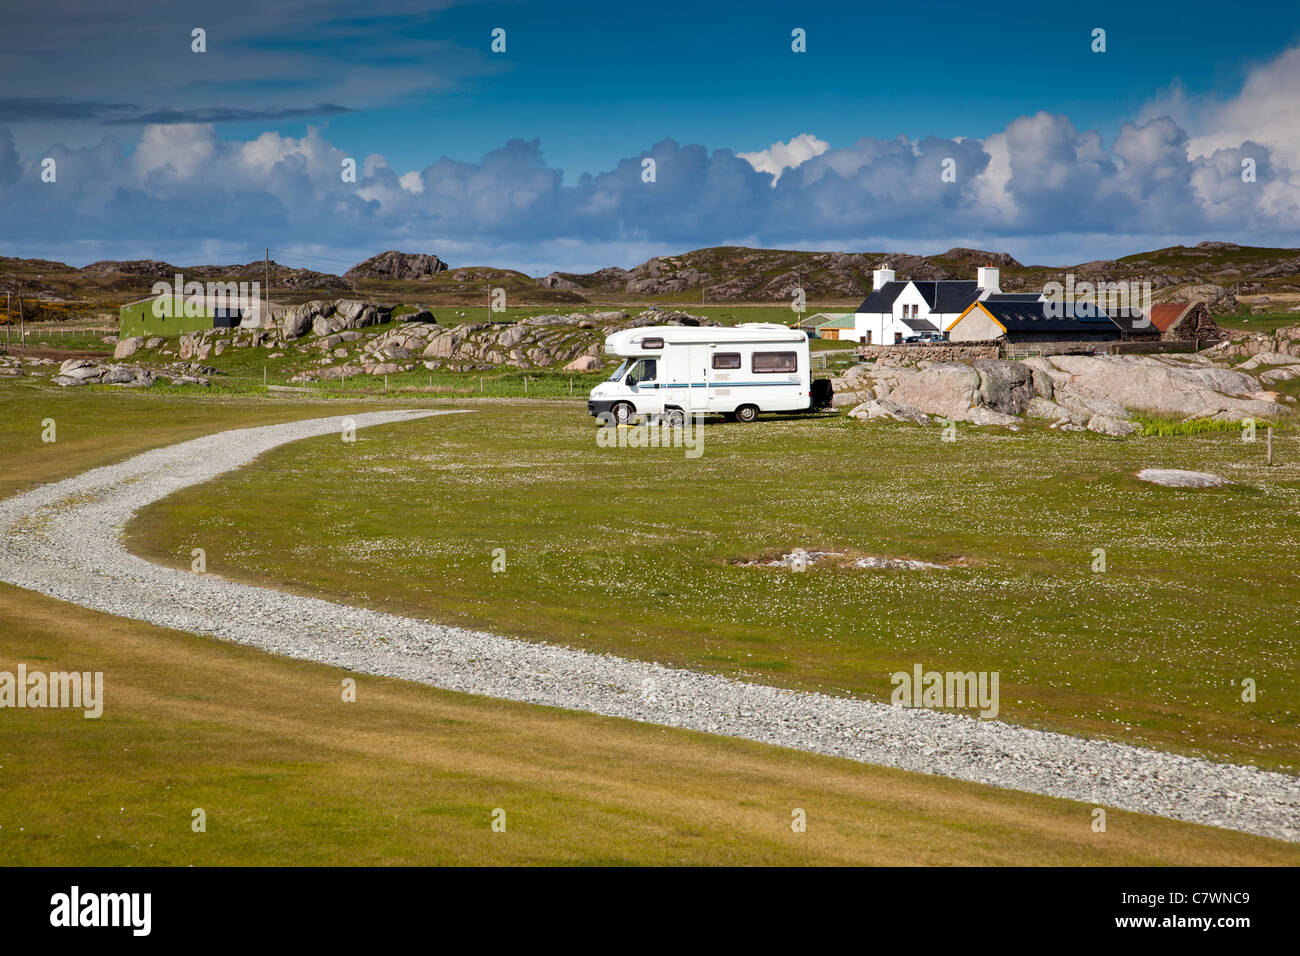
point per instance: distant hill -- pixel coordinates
(739, 274)
(721, 274)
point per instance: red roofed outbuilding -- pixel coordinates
(1186, 322)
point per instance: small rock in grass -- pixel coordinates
(1175, 478)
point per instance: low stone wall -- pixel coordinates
(1022, 350)
(935, 352)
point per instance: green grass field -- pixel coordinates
(288, 773)
(636, 551)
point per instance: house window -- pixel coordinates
(775, 362)
(726, 360)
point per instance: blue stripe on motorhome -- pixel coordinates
(720, 384)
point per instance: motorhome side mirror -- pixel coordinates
(631, 382)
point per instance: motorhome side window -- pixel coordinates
(726, 360)
(652, 344)
(642, 371)
(776, 362)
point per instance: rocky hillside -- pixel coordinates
(106, 284)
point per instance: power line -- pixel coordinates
(306, 255)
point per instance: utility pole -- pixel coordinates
(267, 318)
(22, 323)
(7, 320)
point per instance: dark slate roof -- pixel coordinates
(952, 295)
(1138, 324)
(1032, 317)
(1012, 297)
(921, 325)
(882, 299)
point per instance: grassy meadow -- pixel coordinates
(641, 552)
(286, 772)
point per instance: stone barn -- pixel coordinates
(1186, 322)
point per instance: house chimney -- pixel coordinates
(988, 279)
(880, 276)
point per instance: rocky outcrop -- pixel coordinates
(404, 266)
(887, 408)
(1100, 393)
(574, 342)
(324, 318)
(75, 372)
(557, 281)
(1218, 299)
(131, 267)
(1164, 386)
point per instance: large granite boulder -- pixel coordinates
(1109, 383)
(948, 389)
(128, 346)
(1005, 387)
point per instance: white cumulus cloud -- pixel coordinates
(1266, 110)
(779, 157)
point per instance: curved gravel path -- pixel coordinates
(64, 540)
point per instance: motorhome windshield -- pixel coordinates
(618, 372)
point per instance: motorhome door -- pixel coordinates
(700, 391)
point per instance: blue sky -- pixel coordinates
(1062, 153)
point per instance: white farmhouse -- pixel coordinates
(897, 309)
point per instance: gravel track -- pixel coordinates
(65, 540)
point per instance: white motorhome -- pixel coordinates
(674, 371)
